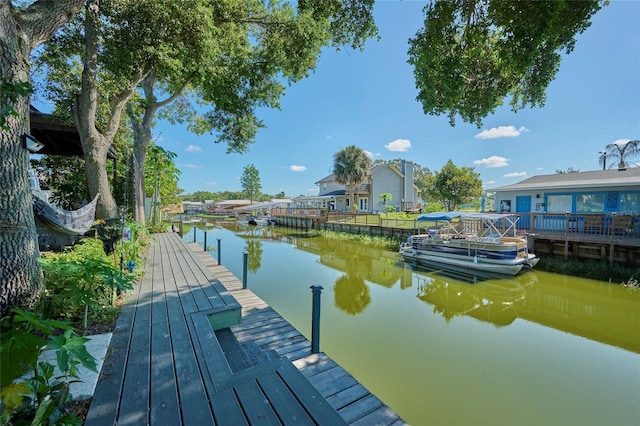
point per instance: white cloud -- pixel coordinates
(515, 174)
(190, 166)
(295, 168)
(210, 183)
(399, 145)
(368, 153)
(501, 132)
(488, 182)
(493, 161)
(620, 142)
(193, 148)
(328, 137)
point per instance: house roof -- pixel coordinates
(332, 194)
(58, 137)
(597, 178)
(275, 202)
(373, 170)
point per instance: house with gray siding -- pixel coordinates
(383, 178)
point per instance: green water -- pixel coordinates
(537, 349)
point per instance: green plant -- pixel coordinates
(30, 392)
(133, 249)
(83, 277)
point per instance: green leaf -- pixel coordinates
(45, 410)
(68, 420)
(13, 394)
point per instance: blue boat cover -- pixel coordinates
(439, 216)
(452, 215)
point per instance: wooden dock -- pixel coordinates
(191, 347)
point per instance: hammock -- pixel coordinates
(72, 222)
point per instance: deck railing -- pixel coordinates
(571, 223)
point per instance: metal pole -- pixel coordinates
(245, 255)
(194, 234)
(315, 319)
(205, 241)
(219, 254)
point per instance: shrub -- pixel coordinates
(29, 391)
(81, 279)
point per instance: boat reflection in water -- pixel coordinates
(606, 313)
(487, 298)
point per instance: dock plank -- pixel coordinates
(164, 404)
(171, 362)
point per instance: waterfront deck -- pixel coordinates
(192, 347)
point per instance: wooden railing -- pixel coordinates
(592, 224)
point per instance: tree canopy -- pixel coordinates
(250, 181)
(453, 186)
(622, 150)
(208, 63)
(351, 166)
(472, 54)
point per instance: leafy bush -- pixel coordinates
(29, 391)
(81, 279)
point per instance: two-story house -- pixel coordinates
(383, 178)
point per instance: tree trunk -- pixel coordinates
(20, 32)
(142, 139)
(139, 196)
(96, 143)
(20, 277)
(95, 165)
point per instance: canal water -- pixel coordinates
(439, 349)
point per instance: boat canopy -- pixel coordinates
(471, 215)
(439, 216)
(499, 224)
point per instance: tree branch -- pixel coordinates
(43, 18)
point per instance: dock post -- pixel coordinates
(315, 319)
(194, 234)
(219, 254)
(205, 241)
(245, 255)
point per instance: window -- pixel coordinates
(364, 204)
(590, 203)
(559, 203)
(630, 203)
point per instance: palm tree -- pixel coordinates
(351, 167)
(622, 150)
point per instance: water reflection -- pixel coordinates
(352, 294)
(495, 301)
(254, 255)
(602, 312)
(538, 348)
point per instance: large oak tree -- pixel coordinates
(21, 31)
(213, 62)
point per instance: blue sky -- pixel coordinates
(368, 99)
